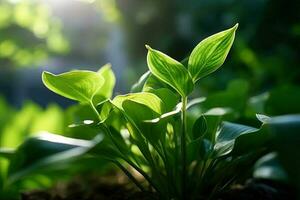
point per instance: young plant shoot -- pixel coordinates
(180, 155)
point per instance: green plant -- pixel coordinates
(155, 130)
(175, 155)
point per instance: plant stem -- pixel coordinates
(183, 146)
(95, 110)
(106, 129)
(129, 175)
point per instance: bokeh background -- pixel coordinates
(57, 36)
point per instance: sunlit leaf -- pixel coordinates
(106, 90)
(210, 53)
(7, 152)
(169, 71)
(138, 86)
(148, 99)
(78, 85)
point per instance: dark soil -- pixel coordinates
(118, 188)
(259, 190)
(109, 187)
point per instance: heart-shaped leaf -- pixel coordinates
(169, 71)
(210, 53)
(79, 85)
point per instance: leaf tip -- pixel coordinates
(44, 74)
(108, 65)
(236, 26)
(148, 47)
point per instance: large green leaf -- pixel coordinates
(269, 167)
(227, 134)
(79, 85)
(169, 98)
(286, 133)
(169, 71)
(210, 53)
(46, 150)
(139, 113)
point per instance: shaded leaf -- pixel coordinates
(199, 127)
(286, 133)
(269, 167)
(44, 151)
(227, 134)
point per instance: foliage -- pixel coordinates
(28, 33)
(32, 120)
(180, 146)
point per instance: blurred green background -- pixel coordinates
(59, 35)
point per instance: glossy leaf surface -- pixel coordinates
(78, 85)
(210, 53)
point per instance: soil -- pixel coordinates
(259, 190)
(118, 188)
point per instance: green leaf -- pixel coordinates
(198, 149)
(106, 90)
(139, 113)
(199, 127)
(78, 85)
(225, 138)
(263, 118)
(169, 98)
(269, 167)
(138, 86)
(210, 53)
(6, 152)
(169, 71)
(148, 99)
(286, 132)
(46, 150)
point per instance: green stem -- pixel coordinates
(129, 175)
(183, 145)
(95, 110)
(106, 129)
